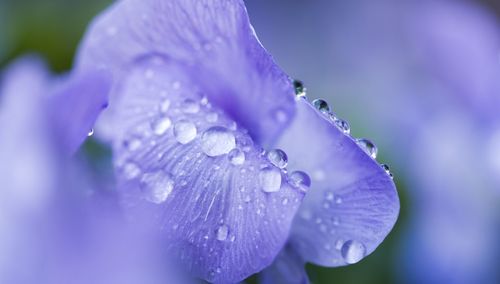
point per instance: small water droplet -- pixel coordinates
(338, 200)
(338, 244)
(190, 106)
(353, 251)
(321, 105)
(300, 180)
(222, 233)
(278, 158)
(284, 201)
(133, 144)
(212, 117)
(300, 90)
(185, 131)
(387, 170)
(217, 141)
(368, 147)
(236, 157)
(342, 125)
(91, 132)
(164, 106)
(157, 186)
(131, 170)
(161, 125)
(270, 179)
(280, 115)
(329, 196)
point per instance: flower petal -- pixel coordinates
(215, 43)
(352, 204)
(287, 268)
(75, 106)
(187, 168)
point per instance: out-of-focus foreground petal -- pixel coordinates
(352, 204)
(217, 46)
(287, 268)
(52, 230)
(190, 170)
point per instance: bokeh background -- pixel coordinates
(420, 78)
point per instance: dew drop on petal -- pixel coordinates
(222, 233)
(270, 179)
(133, 144)
(342, 125)
(161, 125)
(212, 117)
(91, 132)
(164, 106)
(300, 90)
(368, 147)
(353, 251)
(217, 141)
(321, 105)
(387, 170)
(278, 158)
(300, 180)
(185, 131)
(236, 157)
(131, 170)
(190, 106)
(157, 186)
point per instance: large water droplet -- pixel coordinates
(236, 157)
(217, 141)
(342, 125)
(222, 233)
(368, 147)
(161, 125)
(278, 158)
(185, 131)
(157, 186)
(270, 179)
(300, 180)
(300, 90)
(353, 251)
(321, 105)
(190, 106)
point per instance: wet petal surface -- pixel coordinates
(352, 203)
(197, 176)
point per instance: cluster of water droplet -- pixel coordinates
(322, 106)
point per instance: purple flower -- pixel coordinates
(196, 109)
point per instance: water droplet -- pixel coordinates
(131, 170)
(236, 157)
(338, 244)
(284, 201)
(217, 141)
(329, 196)
(338, 200)
(300, 180)
(91, 132)
(342, 125)
(270, 179)
(164, 106)
(161, 125)
(190, 106)
(133, 144)
(212, 117)
(387, 170)
(157, 186)
(368, 147)
(278, 158)
(300, 90)
(222, 233)
(353, 251)
(280, 115)
(321, 105)
(184, 131)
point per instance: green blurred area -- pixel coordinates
(53, 29)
